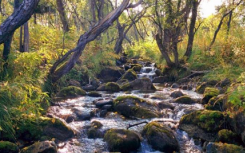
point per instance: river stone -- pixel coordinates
(161, 79)
(41, 147)
(227, 136)
(136, 67)
(130, 75)
(203, 124)
(165, 105)
(160, 137)
(223, 148)
(101, 102)
(158, 72)
(110, 86)
(176, 94)
(217, 103)
(134, 107)
(8, 147)
(82, 114)
(184, 100)
(89, 87)
(120, 140)
(94, 94)
(95, 130)
(111, 74)
(175, 85)
(143, 84)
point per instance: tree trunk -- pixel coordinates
(192, 29)
(55, 72)
(118, 46)
(26, 37)
(63, 17)
(162, 48)
(21, 39)
(17, 19)
(229, 23)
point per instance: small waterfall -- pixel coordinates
(148, 72)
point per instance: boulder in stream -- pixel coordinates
(95, 130)
(165, 105)
(8, 147)
(129, 75)
(134, 107)
(143, 84)
(223, 148)
(176, 94)
(41, 147)
(120, 140)
(94, 94)
(71, 92)
(203, 124)
(227, 136)
(136, 67)
(184, 100)
(110, 86)
(160, 137)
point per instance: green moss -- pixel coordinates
(225, 148)
(71, 91)
(130, 75)
(210, 121)
(211, 92)
(126, 86)
(215, 104)
(227, 136)
(112, 86)
(153, 128)
(94, 94)
(123, 98)
(184, 100)
(8, 147)
(38, 147)
(136, 67)
(122, 140)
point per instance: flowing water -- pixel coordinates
(81, 144)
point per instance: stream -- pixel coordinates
(82, 144)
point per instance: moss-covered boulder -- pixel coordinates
(209, 93)
(216, 103)
(227, 136)
(136, 67)
(71, 92)
(201, 88)
(95, 130)
(184, 100)
(34, 128)
(8, 147)
(41, 147)
(143, 84)
(130, 75)
(122, 82)
(134, 107)
(160, 137)
(120, 140)
(203, 124)
(111, 74)
(223, 148)
(94, 94)
(112, 86)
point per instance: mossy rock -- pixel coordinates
(33, 129)
(8, 147)
(210, 121)
(94, 94)
(41, 147)
(160, 137)
(120, 140)
(71, 91)
(130, 75)
(209, 93)
(136, 67)
(216, 103)
(227, 136)
(112, 87)
(94, 131)
(184, 100)
(223, 148)
(122, 82)
(131, 106)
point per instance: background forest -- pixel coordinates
(45, 43)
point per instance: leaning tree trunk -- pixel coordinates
(63, 17)
(55, 72)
